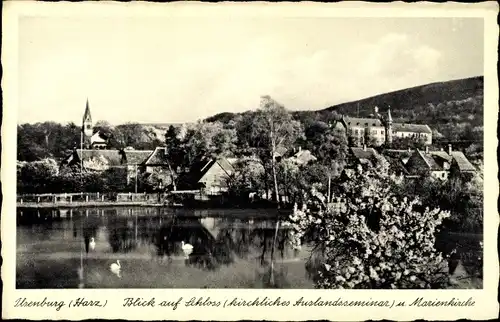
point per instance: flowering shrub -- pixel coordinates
(376, 240)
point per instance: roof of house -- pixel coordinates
(200, 167)
(356, 121)
(363, 153)
(280, 151)
(157, 157)
(413, 128)
(303, 157)
(396, 163)
(462, 161)
(457, 156)
(99, 137)
(435, 160)
(114, 157)
(430, 161)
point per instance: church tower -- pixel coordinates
(388, 129)
(87, 124)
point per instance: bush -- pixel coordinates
(376, 241)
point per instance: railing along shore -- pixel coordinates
(88, 198)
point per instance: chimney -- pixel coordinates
(364, 147)
(426, 149)
(449, 149)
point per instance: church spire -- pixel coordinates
(87, 121)
(86, 116)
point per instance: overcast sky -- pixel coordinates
(181, 69)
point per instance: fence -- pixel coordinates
(89, 197)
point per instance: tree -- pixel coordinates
(329, 145)
(274, 127)
(375, 240)
(37, 176)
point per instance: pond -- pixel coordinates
(75, 248)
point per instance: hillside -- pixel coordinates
(453, 109)
(406, 99)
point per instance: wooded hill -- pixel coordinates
(453, 109)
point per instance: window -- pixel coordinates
(88, 126)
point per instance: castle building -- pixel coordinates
(380, 129)
(91, 139)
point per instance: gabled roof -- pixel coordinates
(462, 162)
(200, 167)
(157, 157)
(460, 159)
(397, 163)
(356, 121)
(137, 156)
(430, 161)
(413, 128)
(435, 160)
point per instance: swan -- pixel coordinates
(115, 268)
(92, 243)
(187, 249)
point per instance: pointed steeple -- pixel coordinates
(389, 117)
(86, 116)
(87, 121)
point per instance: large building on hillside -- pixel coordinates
(381, 129)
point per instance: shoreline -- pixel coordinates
(88, 204)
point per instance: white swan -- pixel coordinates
(187, 249)
(115, 268)
(92, 243)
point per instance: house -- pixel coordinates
(438, 164)
(209, 175)
(280, 152)
(98, 140)
(302, 157)
(157, 163)
(363, 156)
(417, 132)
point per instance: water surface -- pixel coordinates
(231, 249)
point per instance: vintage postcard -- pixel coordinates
(227, 161)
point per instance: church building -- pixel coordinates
(90, 139)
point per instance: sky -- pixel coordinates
(181, 69)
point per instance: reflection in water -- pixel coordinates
(157, 233)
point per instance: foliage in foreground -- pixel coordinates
(376, 240)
